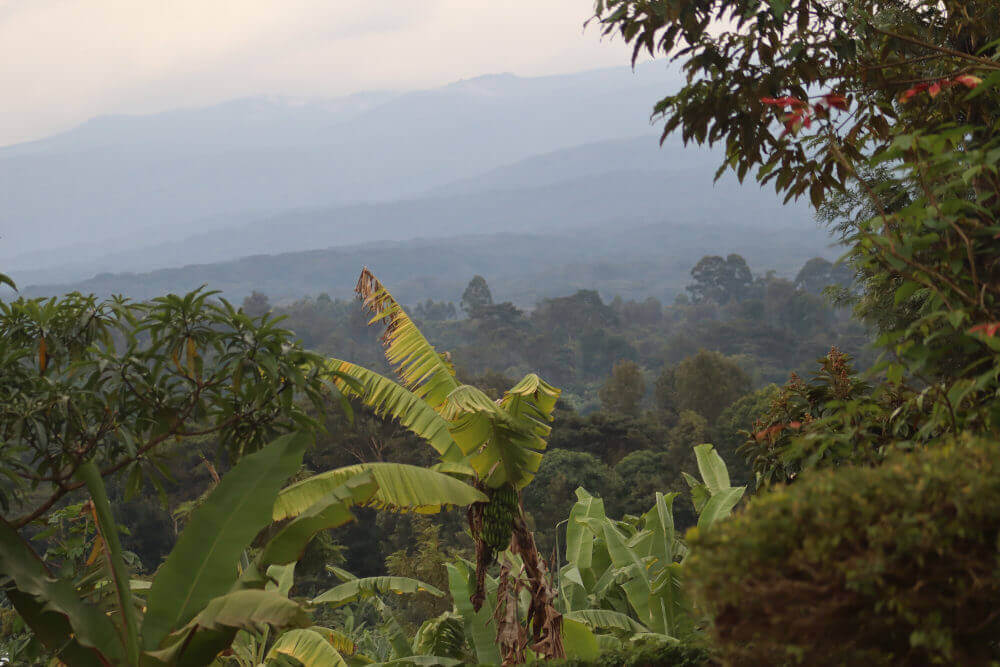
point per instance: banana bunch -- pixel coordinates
(498, 517)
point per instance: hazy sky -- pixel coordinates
(63, 61)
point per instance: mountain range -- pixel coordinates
(568, 163)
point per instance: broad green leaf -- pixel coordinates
(52, 608)
(420, 367)
(389, 398)
(579, 538)
(719, 506)
(607, 619)
(91, 477)
(479, 627)
(579, 640)
(400, 487)
(663, 544)
(214, 628)
(330, 511)
(202, 565)
(357, 589)
(308, 647)
(712, 468)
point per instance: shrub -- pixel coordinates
(895, 564)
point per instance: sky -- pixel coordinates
(64, 61)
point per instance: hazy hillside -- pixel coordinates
(633, 261)
(606, 183)
(124, 182)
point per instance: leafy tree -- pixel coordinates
(665, 391)
(817, 274)
(551, 494)
(720, 280)
(708, 383)
(114, 381)
(256, 304)
(476, 295)
(623, 392)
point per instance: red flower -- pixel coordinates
(783, 102)
(835, 101)
(968, 80)
(989, 329)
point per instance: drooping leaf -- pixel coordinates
(420, 367)
(202, 565)
(357, 589)
(388, 398)
(308, 647)
(400, 487)
(606, 619)
(214, 628)
(52, 607)
(330, 511)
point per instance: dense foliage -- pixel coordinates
(891, 565)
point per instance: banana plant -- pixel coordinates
(625, 577)
(199, 598)
(498, 443)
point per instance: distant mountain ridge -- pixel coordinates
(124, 182)
(635, 261)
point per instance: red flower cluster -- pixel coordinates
(935, 87)
(989, 329)
(801, 113)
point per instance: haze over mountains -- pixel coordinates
(521, 164)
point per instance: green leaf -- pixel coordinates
(308, 647)
(479, 626)
(387, 397)
(51, 607)
(712, 468)
(357, 589)
(719, 506)
(400, 487)
(214, 628)
(579, 640)
(605, 618)
(420, 367)
(202, 565)
(91, 477)
(330, 511)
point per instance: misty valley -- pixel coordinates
(692, 362)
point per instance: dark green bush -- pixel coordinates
(897, 564)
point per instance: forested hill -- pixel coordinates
(616, 259)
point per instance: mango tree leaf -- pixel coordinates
(202, 565)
